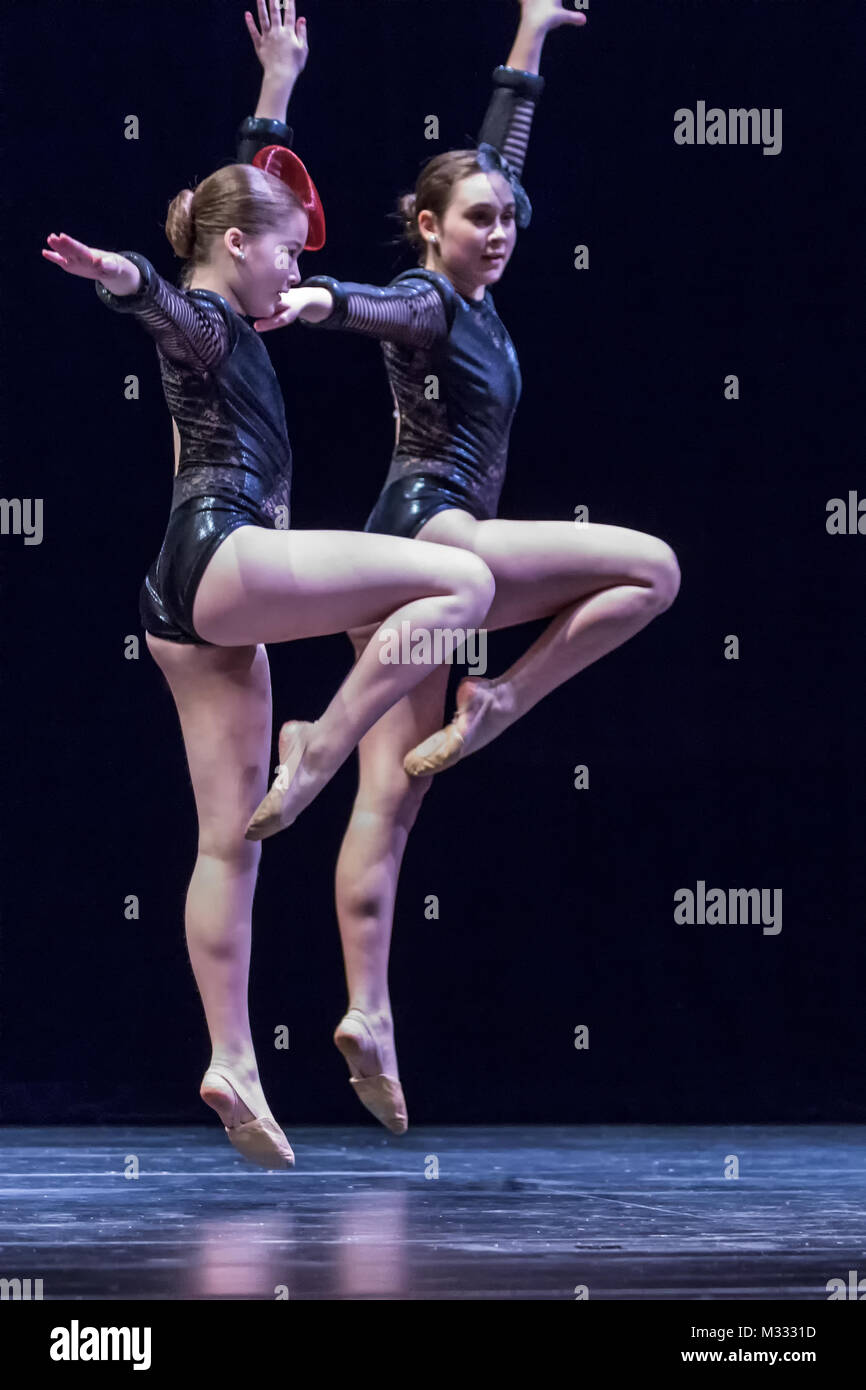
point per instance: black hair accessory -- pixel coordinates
(491, 161)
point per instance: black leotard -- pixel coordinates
(235, 466)
(451, 365)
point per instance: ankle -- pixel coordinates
(318, 756)
(378, 1016)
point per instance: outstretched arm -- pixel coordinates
(417, 310)
(282, 49)
(195, 332)
(517, 85)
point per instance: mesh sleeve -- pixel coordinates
(414, 310)
(196, 332)
(508, 122)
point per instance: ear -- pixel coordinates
(233, 241)
(428, 224)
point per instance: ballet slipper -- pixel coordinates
(273, 813)
(260, 1140)
(437, 752)
(445, 747)
(381, 1095)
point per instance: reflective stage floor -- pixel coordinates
(604, 1212)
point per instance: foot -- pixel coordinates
(367, 1043)
(483, 711)
(256, 1136)
(297, 783)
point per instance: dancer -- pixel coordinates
(230, 577)
(599, 584)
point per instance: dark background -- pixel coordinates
(556, 905)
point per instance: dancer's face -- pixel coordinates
(269, 266)
(476, 234)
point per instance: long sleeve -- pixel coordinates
(508, 121)
(417, 309)
(195, 331)
(255, 132)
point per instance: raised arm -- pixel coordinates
(282, 49)
(517, 85)
(417, 310)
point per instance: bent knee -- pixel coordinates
(663, 572)
(474, 583)
(396, 799)
(226, 847)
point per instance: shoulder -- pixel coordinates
(232, 320)
(424, 279)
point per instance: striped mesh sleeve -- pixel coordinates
(193, 331)
(508, 122)
(412, 311)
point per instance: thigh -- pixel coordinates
(223, 700)
(278, 586)
(541, 566)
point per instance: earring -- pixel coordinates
(241, 256)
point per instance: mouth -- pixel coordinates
(494, 256)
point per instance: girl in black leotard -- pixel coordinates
(599, 584)
(230, 576)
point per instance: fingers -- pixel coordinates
(276, 321)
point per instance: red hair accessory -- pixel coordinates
(285, 165)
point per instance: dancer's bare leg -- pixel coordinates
(223, 699)
(275, 586)
(600, 584)
(368, 867)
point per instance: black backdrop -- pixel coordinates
(556, 905)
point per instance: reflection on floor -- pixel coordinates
(604, 1212)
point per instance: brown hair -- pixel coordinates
(433, 192)
(238, 195)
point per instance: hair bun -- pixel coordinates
(408, 209)
(180, 224)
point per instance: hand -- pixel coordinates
(544, 15)
(313, 304)
(116, 273)
(281, 47)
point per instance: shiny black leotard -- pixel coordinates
(235, 465)
(452, 367)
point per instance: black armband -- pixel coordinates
(255, 132)
(129, 301)
(525, 84)
(337, 316)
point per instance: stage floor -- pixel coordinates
(536, 1212)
